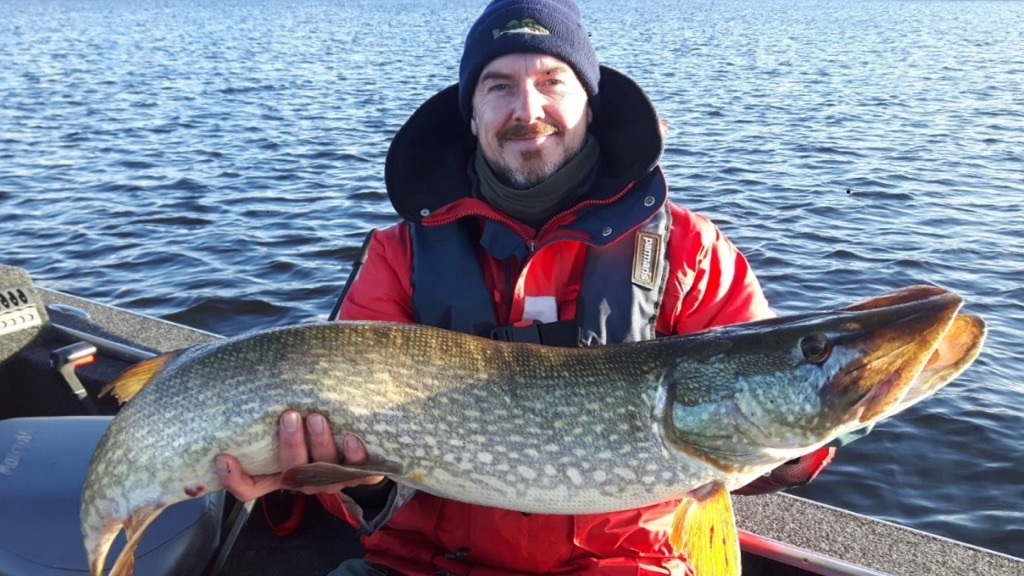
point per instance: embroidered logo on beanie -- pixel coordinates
(526, 26)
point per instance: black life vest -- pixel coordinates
(621, 289)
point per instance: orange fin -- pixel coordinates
(134, 527)
(324, 473)
(134, 379)
(704, 530)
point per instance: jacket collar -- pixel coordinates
(428, 162)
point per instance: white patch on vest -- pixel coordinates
(540, 308)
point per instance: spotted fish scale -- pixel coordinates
(471, 430)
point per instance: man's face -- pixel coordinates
(530, 117)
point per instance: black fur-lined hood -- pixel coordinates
(427, 164)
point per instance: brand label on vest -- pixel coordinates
(646, 259)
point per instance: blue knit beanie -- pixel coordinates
(549, 27)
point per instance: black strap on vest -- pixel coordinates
(562, 333)
(353, 274)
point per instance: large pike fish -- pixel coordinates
(526, 427)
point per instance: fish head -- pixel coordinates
(759, 394)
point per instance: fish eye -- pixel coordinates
(815, 348)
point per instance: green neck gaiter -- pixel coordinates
(536, 205)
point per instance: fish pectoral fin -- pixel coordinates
(704, 530)
(134, 527)
(135, 378)
(325, 473)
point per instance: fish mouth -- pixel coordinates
(956, 349)
(912, 343)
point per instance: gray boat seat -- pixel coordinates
(43, 462)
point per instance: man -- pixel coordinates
(533, 210)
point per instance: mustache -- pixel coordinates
(533, 130)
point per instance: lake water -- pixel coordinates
(218, 163)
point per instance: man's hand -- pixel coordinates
(299, 444)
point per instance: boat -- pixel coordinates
(58, 350)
